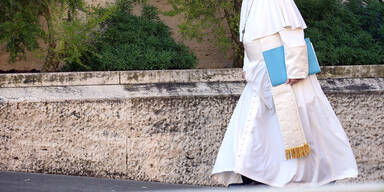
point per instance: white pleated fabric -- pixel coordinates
(267, 17)
(253, 146)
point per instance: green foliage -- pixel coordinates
(150, 13)
(75, 35)
(20, 27)
(129, 42)
(127, 5)
(207, 17)
(56, 22)
(345, 34)
(371, 17)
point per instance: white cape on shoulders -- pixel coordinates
(266, 17)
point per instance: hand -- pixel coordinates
(293, 81)
(243, 75)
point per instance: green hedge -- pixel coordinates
(348, 33)
(128, 42)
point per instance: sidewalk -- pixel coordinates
(32, 182)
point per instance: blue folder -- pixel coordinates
(275, 61)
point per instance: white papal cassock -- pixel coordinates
(252, 145)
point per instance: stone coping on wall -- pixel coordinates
(155, 90)
(165, 76)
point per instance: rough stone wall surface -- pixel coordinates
(362, 116)
(172, 137)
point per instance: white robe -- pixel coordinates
(266, 17)
(253, 146)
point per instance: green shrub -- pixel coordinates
(345, 34)
(129, 42)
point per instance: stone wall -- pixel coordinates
(157, 125)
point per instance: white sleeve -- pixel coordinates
(246, 61)
(296, 55)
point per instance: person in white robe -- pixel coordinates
(253, 145)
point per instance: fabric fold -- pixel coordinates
(296, 61)
(296, 53)
(273, 15)
(257, 77)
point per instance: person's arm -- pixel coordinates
(246, 61)
(245, 65)
(296, 56)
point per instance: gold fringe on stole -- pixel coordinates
(297, 152)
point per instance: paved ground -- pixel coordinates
(31, 182)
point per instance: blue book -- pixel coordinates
(275, 61)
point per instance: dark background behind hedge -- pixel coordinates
(349, 33)
(129, 42)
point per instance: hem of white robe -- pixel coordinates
(346, 174)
